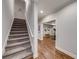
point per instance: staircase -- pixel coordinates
(18, 44)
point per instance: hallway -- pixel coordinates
(39, 20)
(47, 50)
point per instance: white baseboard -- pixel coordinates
(41, 39)
(66, 52)
(35, 56)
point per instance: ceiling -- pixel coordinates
(51, 6)
(53, 22)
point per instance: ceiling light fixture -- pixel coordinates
(41, 11)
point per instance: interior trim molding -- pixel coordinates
(66, 52)
(19, 18)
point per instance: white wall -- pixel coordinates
(66, 34)
(30, 15)
(36, 28)
(19, 11)
(7, 20)
(32, 21)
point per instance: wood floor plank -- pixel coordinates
(47, 50)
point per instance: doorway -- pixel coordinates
(49, 30)
(46, 45)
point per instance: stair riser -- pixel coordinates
(13, 35)
(16, 41)
(23, 26)
(24, 53)
(19, 29)
(13, 53)
(18, 32)
(17, 36)
(19, 21)
(19, 25)
(17, 46)
(26, 48)
(16, 22)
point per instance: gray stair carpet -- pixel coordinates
(18, 45)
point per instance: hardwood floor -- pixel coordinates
(60, 55)
(47, 50)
